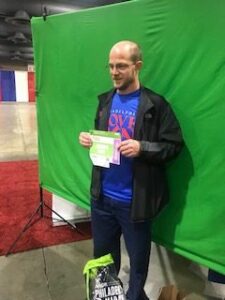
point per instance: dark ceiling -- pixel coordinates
(15, 29)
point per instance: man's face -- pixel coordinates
(122, 70)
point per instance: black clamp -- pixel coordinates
(44, 13)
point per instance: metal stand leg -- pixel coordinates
(40, 207)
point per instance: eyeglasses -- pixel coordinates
(119, 67)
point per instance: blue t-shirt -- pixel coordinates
(117, 180)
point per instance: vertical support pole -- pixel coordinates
(41, 202)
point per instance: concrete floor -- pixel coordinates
(55, 273)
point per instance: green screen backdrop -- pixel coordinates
(184, 60)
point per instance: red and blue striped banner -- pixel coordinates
(17, 86)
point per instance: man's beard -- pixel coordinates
(125, 84)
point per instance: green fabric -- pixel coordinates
(183, 45)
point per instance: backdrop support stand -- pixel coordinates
(40, 209)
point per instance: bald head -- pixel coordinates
(124, 65)
(129, 48)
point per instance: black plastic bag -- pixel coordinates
(102, 282)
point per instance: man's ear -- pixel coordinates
(138, 65)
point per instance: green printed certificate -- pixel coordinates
(104, 150)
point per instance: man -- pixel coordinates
(127, 197)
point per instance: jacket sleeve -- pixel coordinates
(169, 141)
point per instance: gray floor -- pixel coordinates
(55, 273)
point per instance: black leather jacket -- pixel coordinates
(159, 133)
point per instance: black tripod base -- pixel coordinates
(40, 209)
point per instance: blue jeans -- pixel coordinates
(110, 219)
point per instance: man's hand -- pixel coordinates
(130, 148)
(85, 139)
